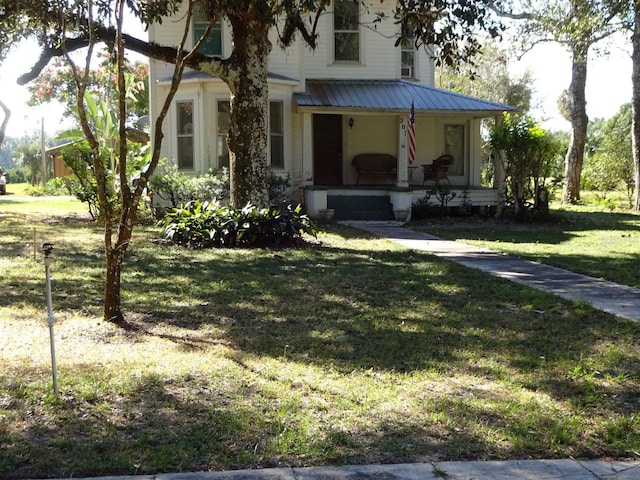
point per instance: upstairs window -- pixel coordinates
(346, 30)
(212, 46)
(408, 57)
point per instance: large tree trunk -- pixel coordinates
(635, 101)
(579, 122)
(249, 113)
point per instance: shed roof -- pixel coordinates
(390, 96)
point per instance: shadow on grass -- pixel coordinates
(344, 310)
(151, 426)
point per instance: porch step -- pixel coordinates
(360, 207)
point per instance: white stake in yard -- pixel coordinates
(47, 248)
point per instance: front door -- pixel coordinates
(327, 149)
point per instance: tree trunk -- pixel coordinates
(519, 189)
(249, 113)
(112, 309)
(5, 122)
(635, 101)
(579, 121)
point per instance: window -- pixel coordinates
(454, 145)
(408, 57)
(276, 134)
(213, 43)
(224, 107)
(346, 31)
(184, 111)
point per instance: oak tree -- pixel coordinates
(578, 25)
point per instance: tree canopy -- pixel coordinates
(56, 83)
(489, 78)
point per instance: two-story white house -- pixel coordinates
(351, 95)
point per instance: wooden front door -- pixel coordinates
(327, 149)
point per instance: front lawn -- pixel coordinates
(352, 350)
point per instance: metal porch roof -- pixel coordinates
(390, 96)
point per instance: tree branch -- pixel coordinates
(108, 35)
(511, 15)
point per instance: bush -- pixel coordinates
(279, 189)
(54, 187)
(209, 225)
(18, 175)
(177, 188)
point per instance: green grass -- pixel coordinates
(352, 350)
(604, 244)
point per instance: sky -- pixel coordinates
(608, 86)
(608, 80)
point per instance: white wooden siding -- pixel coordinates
(380, 59)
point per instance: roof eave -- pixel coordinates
(396, 111)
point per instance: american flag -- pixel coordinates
(412, 134)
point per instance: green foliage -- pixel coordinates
(209, 225)
(83, 184)
(18, 175)
(54, 187)
(31, 158)
(442, 193)
(609, 162)
(279, 187)
(78, 157)
(529, 154)
(489, 78)
(176, 188)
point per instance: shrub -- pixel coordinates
(54, 187)
(209, 225)
(18, 175)
(82, 183)
(177, 188)
(279, 189)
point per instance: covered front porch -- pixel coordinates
(389, 202)
(370, 142)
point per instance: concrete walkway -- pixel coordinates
(607, 296)
(495, 470)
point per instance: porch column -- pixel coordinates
(307, 149)
(403, 166)
(499, 176)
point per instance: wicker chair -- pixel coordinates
(437, 170)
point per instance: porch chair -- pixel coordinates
(437, 170)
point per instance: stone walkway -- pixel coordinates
(609, 297)
(494, 470)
